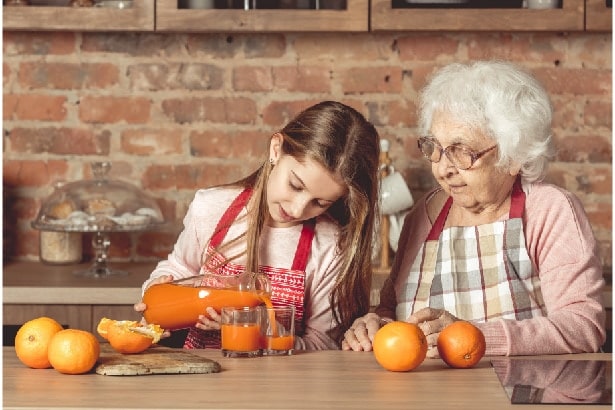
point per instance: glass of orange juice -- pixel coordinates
(278, 330)
(241, 331)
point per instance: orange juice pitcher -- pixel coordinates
(178, 304)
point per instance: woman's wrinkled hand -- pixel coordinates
(432, 322)
(209, 323)
(361, 334)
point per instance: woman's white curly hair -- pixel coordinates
(504, 101)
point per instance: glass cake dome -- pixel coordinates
(98, 205)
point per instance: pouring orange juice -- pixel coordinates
(178, 304)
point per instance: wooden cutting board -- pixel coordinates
(155, 360)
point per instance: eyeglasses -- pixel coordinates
(460, 156)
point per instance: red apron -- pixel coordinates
(287, 285)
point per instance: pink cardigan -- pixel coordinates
(562, 247)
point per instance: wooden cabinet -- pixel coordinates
(84, 317)
(354, 18)
(359, 16)
(568, 18)
(598, 17)
(140, 17)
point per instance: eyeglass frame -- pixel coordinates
(474, 155)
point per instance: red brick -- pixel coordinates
(426, 47)
(175, 76)
(221, 110)
(37, 107)
(38, 43)
(67, 76)
(32, 173)
(517, 47)
(6, 74)
(252, 79)
(598, 113)
(145, 142)
(9, 106)
(584, 148)
(218, 144)
(575, 81)
(159, 177)
(308, 79)
(371, 80)
(156, 244)
(343, 47)
(26, 245)
(109, 110)
(62, 141)
(279, 113)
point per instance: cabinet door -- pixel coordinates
(69, 316)
(354, 18)
(567, 18)
(598, 17)
(139, 17)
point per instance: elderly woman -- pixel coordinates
(493, 244)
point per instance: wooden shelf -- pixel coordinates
(354, 18)
(598, 17)
(568, 18)
(140, 17)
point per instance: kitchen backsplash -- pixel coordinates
(177, 112)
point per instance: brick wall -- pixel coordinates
(177, 112)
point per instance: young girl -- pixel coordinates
(305, 218)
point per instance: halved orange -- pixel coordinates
(127, 337)
(103, 325)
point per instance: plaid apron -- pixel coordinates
(477, 273)
(287, 285)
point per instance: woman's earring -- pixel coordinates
(271, 161)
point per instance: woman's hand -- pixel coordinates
(209, 323)
(432, 322)
(361, 334)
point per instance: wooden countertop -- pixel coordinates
(306, 380)
(37, 283)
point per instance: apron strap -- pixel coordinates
(438, 225)
(304, 246)
(517, 206)
(517, 200)
(229, 216)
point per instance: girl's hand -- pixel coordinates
(140, 306)
(209, 323)
(432, 322)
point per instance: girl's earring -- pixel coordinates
(271, 161)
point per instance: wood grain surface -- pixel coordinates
(155, 360)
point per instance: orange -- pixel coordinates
(73, 351)
(103, 326)
(129, 337)
(32, 341)
(461, 344)
(400, 346)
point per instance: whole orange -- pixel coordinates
(400, 346)
(126, 337)
(32, 341)
(461, 344)
(73, 351)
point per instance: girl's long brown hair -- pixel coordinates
(346, 144)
